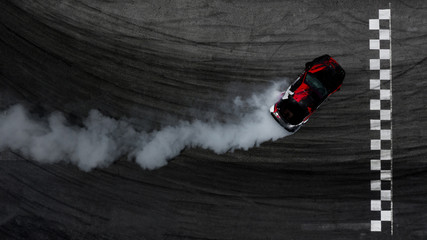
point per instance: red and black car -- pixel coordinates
(321, 77)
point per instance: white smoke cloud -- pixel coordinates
(102, 139)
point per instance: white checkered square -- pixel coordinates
(385, 195)
(375, 185)
(385, 134)
(375, 165)
(384, 14)
(375, 124)
(385, 115)
(374, 44)
(376, 205)
(384, 53)
(385, 155)
(375, 226)
(374, 84)
(385, 175)
(384, 34)
(374, 64)
(385, 94)
(385, 74)
(374, 24)
(386, 215)
(375, 104)
(375, 144)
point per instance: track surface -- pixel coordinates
(142, 59)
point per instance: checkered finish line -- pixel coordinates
(381, 125)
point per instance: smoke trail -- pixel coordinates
(103, 139)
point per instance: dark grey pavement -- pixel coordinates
(142, 59)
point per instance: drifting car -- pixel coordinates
(320, 78)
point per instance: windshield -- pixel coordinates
(291, 111)
(318, 88)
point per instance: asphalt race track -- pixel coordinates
(158, 62)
